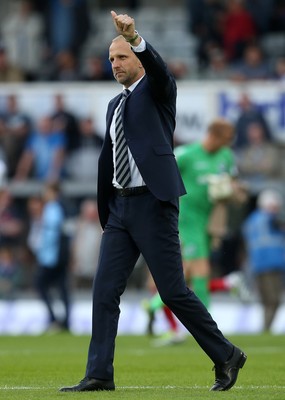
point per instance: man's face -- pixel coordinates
(126, 66)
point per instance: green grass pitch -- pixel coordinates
(35, 367)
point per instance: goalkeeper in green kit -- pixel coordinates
(200, 164)
(207, 168)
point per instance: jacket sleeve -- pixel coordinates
(162, 82)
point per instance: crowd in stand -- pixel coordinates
(232, 35)
(45, 43)
(58, 146)
(61, 146)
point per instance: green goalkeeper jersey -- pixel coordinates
(196, 165)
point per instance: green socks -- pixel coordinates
(155, 303)
(199, 286)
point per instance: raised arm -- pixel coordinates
(161, 80)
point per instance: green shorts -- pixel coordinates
(194, 237)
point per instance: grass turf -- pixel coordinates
(35, 367)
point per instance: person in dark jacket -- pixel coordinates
(138, 189)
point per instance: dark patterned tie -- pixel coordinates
(123, 173)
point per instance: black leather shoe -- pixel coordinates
(89, 385)
(227, 373)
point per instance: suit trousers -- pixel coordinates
(143, 224)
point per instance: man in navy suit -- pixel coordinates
(142, 216)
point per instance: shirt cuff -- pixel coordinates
(141, 47)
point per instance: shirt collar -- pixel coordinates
(134, 85)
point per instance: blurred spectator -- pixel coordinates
(44, 153)
(22, 33)
(227, 256)
(278, 16)
(52, 261)
(8, 72)
(265, 242)
(86, 243)
(279, 69)
(3, 169)
(66, 122)
(15, 128)
(253, 65)
(259, 161)
(206, 22)
(11, 220)
(218, 68)
(11, 239)
(196, 10)
(82, 163)
(63, 67)
(248, 114)
(32, 226)
(35, 209)
(95, 69)
(67, 25)
(261, 12)
(239, 29)
(178, 68)
(8, 273)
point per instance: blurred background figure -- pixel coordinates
(277, 19)
(178, 69)
(218, 67)
(65, 121)
(85, 244)
(22, 31)
(86, 155)
(239, 29)
(63, 68)
(11, 241)
(44, 153)
(252, 66)
(249, 113)
(8, 72)
(52, 259)
(3, 170)
(259, 161)
(15, 128)
(11, 221)
(9, 273)
(173, 334)
(261, 12)
(96, 68)
(198, 162)
(264, 233)
(67, 25)
(33, 226)
(279, 69)
(206, 22)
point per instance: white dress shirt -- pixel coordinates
(136, 178)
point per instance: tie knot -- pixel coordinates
(126, 92)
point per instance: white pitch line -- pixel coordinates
(22, 388)
(195, 387)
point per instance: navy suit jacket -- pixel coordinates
(149, 122)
